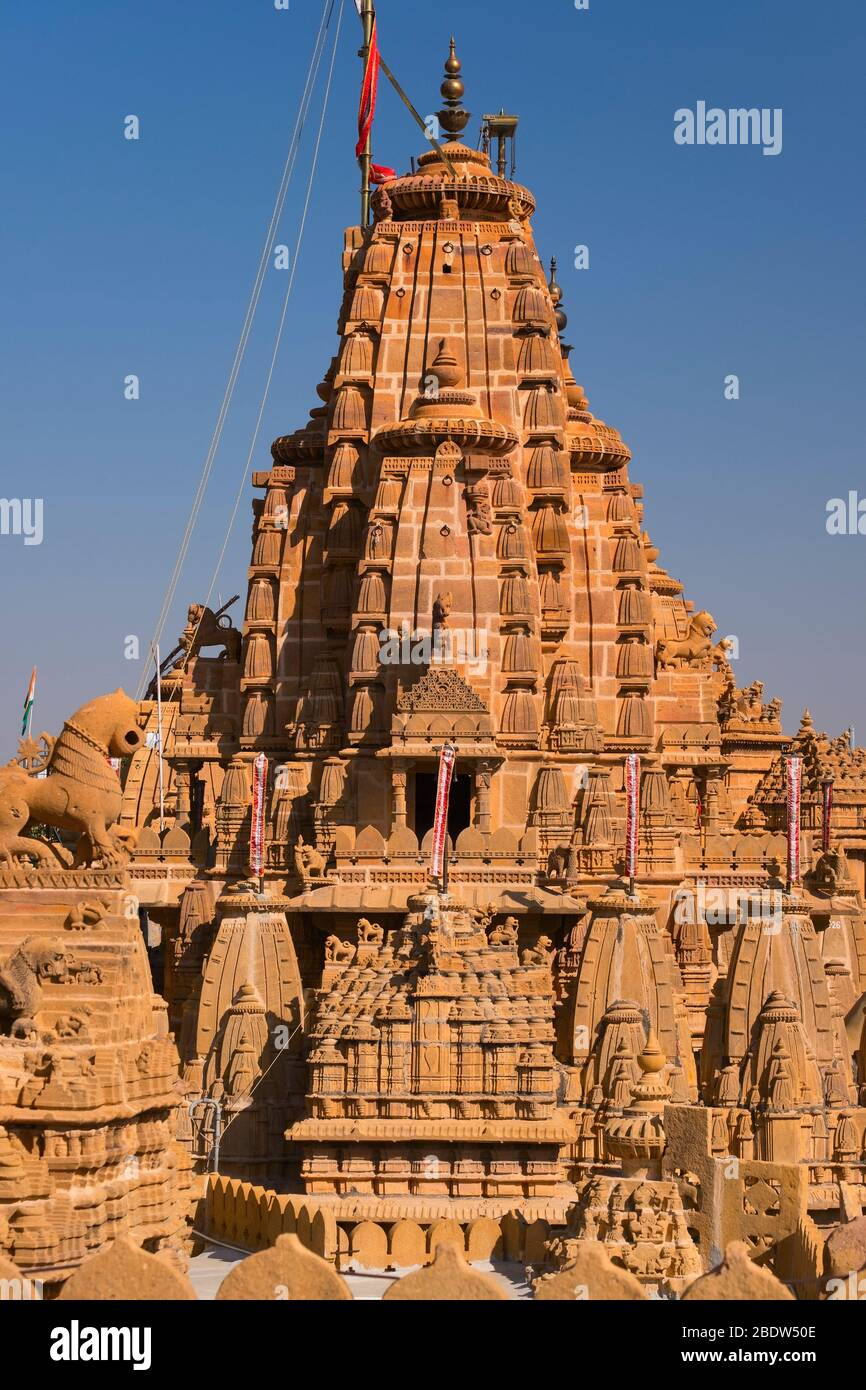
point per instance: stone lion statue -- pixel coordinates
(338, 952)
(693, 649)
(80, 791)
(205, 629)
(309, 862)
(370, 933)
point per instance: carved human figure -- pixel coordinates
(442, 606)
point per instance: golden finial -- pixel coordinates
(452, 118)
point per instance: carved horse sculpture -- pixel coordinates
(690, 650)
(81, 791)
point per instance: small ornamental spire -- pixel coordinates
(555, 289)
(452, 118)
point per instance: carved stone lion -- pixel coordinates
(205, 629)
(81, 791)
(309, 863)
(370, 933)
(541, 953)
(338, 952)
(34, 963)
(693, 649)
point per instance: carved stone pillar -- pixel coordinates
(182, 780)
(399, 813)
(483, 778)
(712, 792)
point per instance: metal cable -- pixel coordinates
(288, 170)
(281, 325)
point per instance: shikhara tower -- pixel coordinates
(452, 549)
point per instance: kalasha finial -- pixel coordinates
(555, 289)
(452, 118)
(651, 1059)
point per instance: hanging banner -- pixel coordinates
(447, 759)
(795, 786)
(632, 793)
(257, 825)
(827, 815)
(369, 88)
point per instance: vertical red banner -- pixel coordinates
(827, 813)
(795, 791)
(632, 796)
(257, 824)
(369, 88)
(447, 759)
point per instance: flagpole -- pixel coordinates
(29, 702)
(159, 736)
(368, 14)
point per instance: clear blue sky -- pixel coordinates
(120, 257)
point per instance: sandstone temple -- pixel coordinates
(449, 551)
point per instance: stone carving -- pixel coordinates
(695, 649)
(88, 1078)
(383, 206)
(309, 862)
(439, 1059)
(370, 933)
(440, 690)
(744, 708)
(338, 952)
(479, 519)
(86, 916)
(540, 954)
(205, 629)
(81, 793)
(505, 935)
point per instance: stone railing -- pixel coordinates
(252, 1218)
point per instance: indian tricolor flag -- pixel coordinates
(28, 705)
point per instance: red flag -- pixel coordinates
(827, 788)
(257, 824)
(795, 784)
(632, 785)
(380, 173)
(447, 759)
(369, 87)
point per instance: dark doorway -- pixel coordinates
(459, 805)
